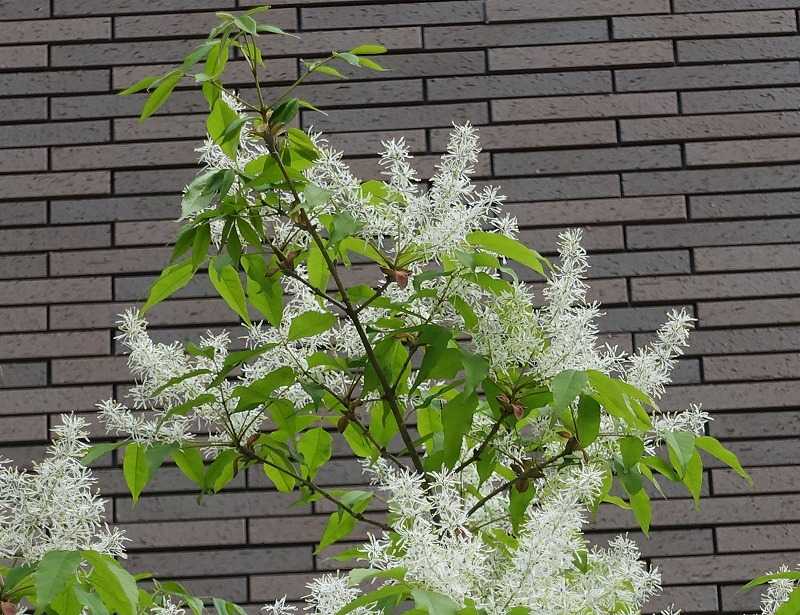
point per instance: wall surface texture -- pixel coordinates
(668, 129)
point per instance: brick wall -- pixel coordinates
(668, 128)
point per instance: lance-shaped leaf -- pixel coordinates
(508, 247)
(115, 586)
(54, 573)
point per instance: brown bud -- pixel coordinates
(572, 445)
(287, 264)
(401, 277)
(517, 468)
(251, 441)
(565, 434)
(522, 484)
(342, 424)
(518, 410)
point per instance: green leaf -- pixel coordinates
(264, 292)
(220, 472)
(456, 420)
(518, 504)
(310, 323)
(173, 278)
(190, 462)
(259, 391)
(141, 462)
(178, 379)
(510, 248)
(90, 600)
(318, 273)
(285, 112)
(397, 591)
(792, 605)
(640, 504)
(681, 446)
(99, 450)
(54, 573)
(279, 470)
(246, 24)
(160, 95)
(587, 422)
(139, 86)
(135, 469)
(224, 125)
(476, 368)
(314, 196)
(762, 580)
(328, 70)
(315, 445)
(226, 280)
(693, 477)
(368, 50)
(566, 386)
(434, 603)
(115, 586)
(362, 247)
(621, 399)
(714, 447)
(371, 64)
(265, 27)
(632, 449)
(235, 359)
(341, 523)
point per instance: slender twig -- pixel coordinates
(252, 455)
(349, 310)
(479, 451)
(531, 472)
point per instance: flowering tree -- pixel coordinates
(489, 424)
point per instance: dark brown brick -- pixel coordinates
(530, 189)
(113, 209)
(743, 151)
(232, 561)
(775, 366)
(185, 533)
(709, 126)
(499, 10)
(44, 238)
(751, 99)
(23, 266)
(700, 77)
(14, 109)
(500, 35)
(693, 6)
(710, 233)
(391, 118)
(588, 160)
(750, 48)
(105, 315)
(111, 7)
(23, 428)
(738, 396)
(53, 30)
(62, 290)
(387, 14)
(28, 374)
(54, 184)
(29, 159)
(591, 106)
(23, 56)
(536, 135)
(504, 86)
(127, 155)
(706, 181)
(698, 24)
(54, 133)
(25, 9)
(51, 399)
(23, 319)
(53, 82)
(229, 506)
(581, 55)
(170, 25)
(43, 345)
(741, 258)
(594, 211)
(767, 204)
(716, 286)
(752, 312)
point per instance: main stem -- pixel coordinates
(351, 312)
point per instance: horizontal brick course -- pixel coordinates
(581, 55)
(698, 24)
(706, 76)
(498, 10)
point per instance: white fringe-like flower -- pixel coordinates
(54, 506)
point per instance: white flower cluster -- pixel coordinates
(548, 566)
(777, 593)
(54, 506)
(430, 224)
